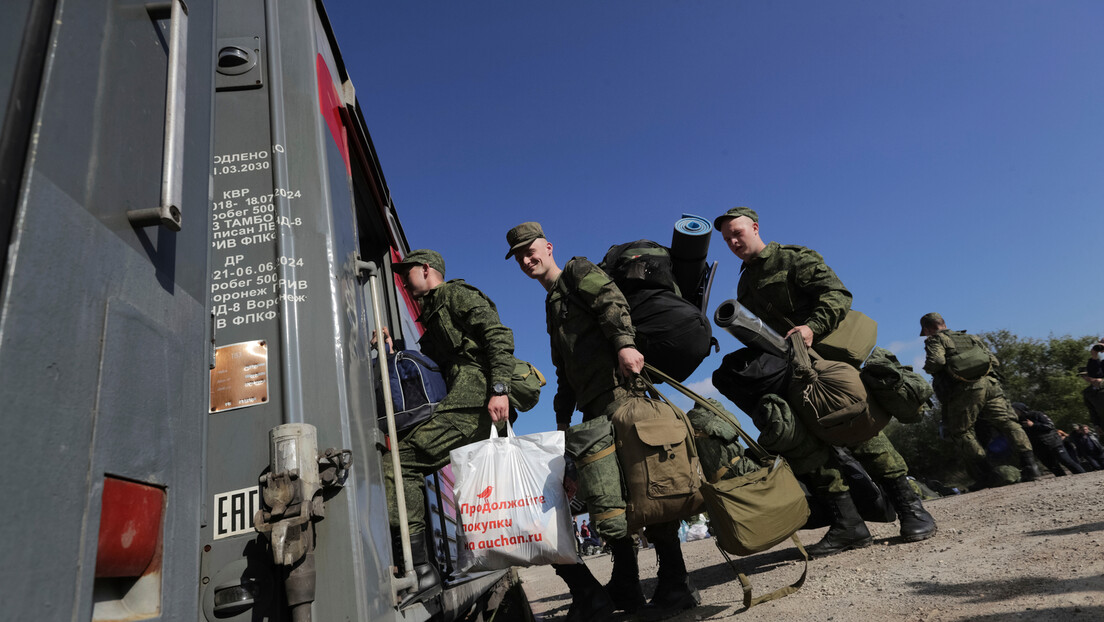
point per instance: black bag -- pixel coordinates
(642, 264)
(417, 386)
(747, 375)
(671, 333)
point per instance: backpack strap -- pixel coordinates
(745, 582)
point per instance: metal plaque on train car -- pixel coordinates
(240, 376)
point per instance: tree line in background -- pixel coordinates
(1041, 373)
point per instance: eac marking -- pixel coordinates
(234, 511)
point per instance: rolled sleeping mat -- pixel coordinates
(689, 250)
(749, 329)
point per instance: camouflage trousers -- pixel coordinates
(983, 400)
(423, 450)
(878, 456)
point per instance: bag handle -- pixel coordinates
(509, 431)
(764, 455)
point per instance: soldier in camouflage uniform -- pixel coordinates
(793, 291)
(964, 402)
(593, 348)
(464, 336)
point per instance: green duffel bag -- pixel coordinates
(525, 385)
(899, 391)
(852, 340)
(590, 444)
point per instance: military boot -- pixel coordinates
(674, 592)
(848, 531)
(429, 580)
(624, 584)
(916, 523)
(1029, 471)
(589, 600)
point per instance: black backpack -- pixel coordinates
(640, 265)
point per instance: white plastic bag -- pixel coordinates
(510, 502)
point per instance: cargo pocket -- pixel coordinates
(591, 445)
(665, 462)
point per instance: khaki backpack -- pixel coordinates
(658, 459)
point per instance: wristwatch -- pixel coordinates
(500, 388)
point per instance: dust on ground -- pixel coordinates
(1028, 552)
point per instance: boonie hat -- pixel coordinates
(421, 256)
(735, 212)
(522, 235)
(930, 319)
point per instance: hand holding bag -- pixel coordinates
(511, 502)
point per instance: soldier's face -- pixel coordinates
(414, 280)
(741, 234)
(535, 260)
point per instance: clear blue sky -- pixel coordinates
(942, 156)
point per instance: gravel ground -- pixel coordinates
(1028, 552)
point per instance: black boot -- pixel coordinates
(848, 531)
(429, 580)
(589, 600)
(674, 592)
(1029, 471)
(916, 523)
(624, 584)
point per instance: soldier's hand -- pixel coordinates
(805, 332)
(630, 361)
(499, 408)
(387, 340)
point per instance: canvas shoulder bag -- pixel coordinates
(756, 511)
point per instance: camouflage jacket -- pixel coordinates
(464, 335)
(788, 286)
(935, 348)
(588, 322)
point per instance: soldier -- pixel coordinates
(593, 348)
(1093, 394)
(793, 291)
(967, 397)
(464, 336)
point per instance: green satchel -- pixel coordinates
(852, 340)
(754, 512)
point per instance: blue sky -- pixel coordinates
(942, 156)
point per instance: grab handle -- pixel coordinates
(172, 163)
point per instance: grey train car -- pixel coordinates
(197, 239)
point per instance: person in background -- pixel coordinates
(1045, 440)
(966, 400)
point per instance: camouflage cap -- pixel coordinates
(735, 212)
(522, 236)
(930, 319)
(421, 256)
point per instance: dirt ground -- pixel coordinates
(1030, 552)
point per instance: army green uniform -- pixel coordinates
(463, 334)
(787, 286)
(588, 322)
(965, 402)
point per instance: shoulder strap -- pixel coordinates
(762, 454)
